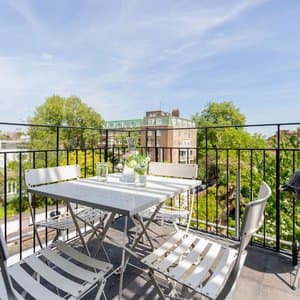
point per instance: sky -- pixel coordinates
(123, 58)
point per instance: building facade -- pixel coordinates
(167, 137)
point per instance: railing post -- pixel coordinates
(206, 178)
(277, 203)
(237, 202)
(20, 206)
(5, 195)
(106, 146)
(155, 144)
(146, 141)
(57, 145)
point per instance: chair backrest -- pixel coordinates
(188, 171)
(173, 170)
(6, 289)
(3, 250)
(35, 177)
(253, 218)
(40, 176)
(254, 215)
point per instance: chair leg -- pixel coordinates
(104, 251)
(58, 233)
(160, 292)
(140, 220)
(175, 225)
(296, 280)
(100, 225)
(101, 290)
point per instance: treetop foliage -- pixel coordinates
(70, 111)
(60, 111)
(223, 114)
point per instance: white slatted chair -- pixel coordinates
(205, 266)
(56, 272)
(62, 222)
(174, 213)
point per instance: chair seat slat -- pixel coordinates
(68, 266)
(202, 268)
(188, 261)
(66, 222)
(30, 285)
(86, 260)
(175, 255)
(165, 247)
(171, 214)
(61, 224)
(215, 283)
(3, 294)
(54, 277)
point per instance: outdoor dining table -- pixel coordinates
(118, 198)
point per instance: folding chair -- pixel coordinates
(62, 222)
(176, 212)
(56, 272)
(205, 266)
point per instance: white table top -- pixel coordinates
(115, 195)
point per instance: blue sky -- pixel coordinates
(125, 57)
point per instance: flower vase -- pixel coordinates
(131, 143)
(142, 180)
(128, 171)
(128, 175)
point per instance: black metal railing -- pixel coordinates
(218, 206)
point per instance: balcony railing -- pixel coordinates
(230, 175)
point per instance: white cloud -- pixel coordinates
(46, 56)
(24, 9)
(119, 57)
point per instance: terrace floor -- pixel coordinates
(266, 274)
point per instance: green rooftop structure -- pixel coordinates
(124, 124)
(153, 118)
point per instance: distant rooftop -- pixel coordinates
(153, 118)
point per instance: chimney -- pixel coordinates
(175, 112)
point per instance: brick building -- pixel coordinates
(166, 136)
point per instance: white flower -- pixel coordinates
(132, 164)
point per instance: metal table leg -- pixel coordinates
(78, 229)
(123, 265)
(145, 227)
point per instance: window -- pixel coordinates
(182, 152)
(160, 155)
(158, 133)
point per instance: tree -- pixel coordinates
(219, 114)
(59, 111)
(224, 146)
(216, 138)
